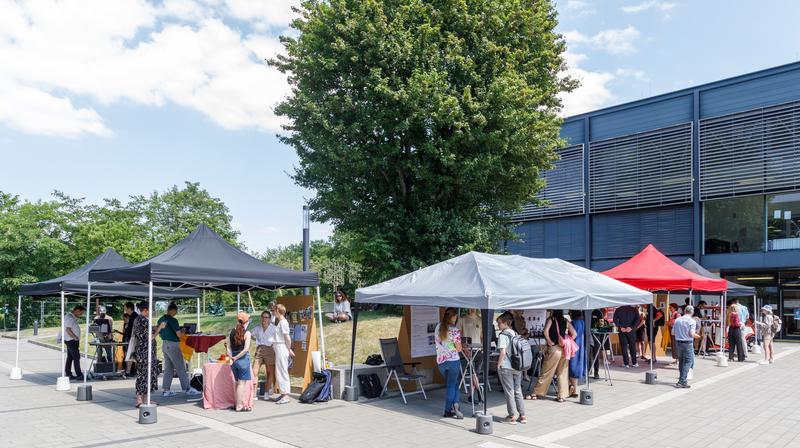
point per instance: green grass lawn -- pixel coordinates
(372, 326)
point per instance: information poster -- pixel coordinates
(423, 325)
(534, 321)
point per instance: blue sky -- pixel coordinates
(140, 96)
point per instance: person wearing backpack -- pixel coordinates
(555, 362)
(770, 325)
(510, 378)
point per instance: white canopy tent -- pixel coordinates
(491, 282)
(485, 281)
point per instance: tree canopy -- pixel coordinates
(420, 124)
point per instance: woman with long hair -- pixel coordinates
(239, 351)
(448, 346)
(341, 307)
(554, 364)
(141, 332)
(283, 351)
(577, 365)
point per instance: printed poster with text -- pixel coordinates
(423, 326)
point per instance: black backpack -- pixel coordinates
(197, 382)
(370, 385)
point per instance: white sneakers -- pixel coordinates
(191, 391)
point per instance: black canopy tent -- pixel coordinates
(205, 260)
(75, 283)
(734, 289)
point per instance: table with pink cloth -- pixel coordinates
(218, 387)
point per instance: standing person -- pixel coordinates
(767, 326)
(673, 316)
(141, 332)
(127, 331)
(744, 314)
(734, 334)
(656, 322)
(105, 336)
(641, 333)
(448, 346)
(264, 335)
(598, 321)
(72, 338)
(685, 332)
(577, 365)
(519, 326)
(341, 308)
(171, 333)
(510, 379)
(554, 364)
(239, 351)
(283, 351)
(472, 333)
(627, 319)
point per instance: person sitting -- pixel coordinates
(341, 308)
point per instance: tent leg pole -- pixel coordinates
(587, 325)
(149, 341)
(321, 331)
(86, 340)
(350, 392)
(198, 325)
(16, 372)
(483, 422)
(63, 357)
(238, 300)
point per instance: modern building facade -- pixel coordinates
(710, 172)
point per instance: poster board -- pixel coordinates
(534, 321)
(303, 331)
(423, 324)
(427, 363)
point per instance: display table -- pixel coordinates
(200, 343)
(601, 340)
(219, 387)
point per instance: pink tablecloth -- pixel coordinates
(218, 387)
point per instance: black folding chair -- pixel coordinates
(396, 368)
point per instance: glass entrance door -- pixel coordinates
(790, 313)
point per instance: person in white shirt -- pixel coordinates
(264, 336)
(283, 351)
(71, 336)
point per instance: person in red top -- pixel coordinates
(735, 335)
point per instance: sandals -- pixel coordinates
(522, 419)
(244, 409)
(560, 400)
(531, 397)
(510, 420)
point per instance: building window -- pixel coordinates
(783, 221)
(734, 225)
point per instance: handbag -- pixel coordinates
(568, 344)
(130, 355)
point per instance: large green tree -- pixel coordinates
(421, 123)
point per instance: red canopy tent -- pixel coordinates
(653, 271)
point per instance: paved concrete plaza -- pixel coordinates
(743, 405)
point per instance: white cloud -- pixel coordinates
(134, 51)
(614, 41)
(593, 92)
(648, 5)
(637, 75)
(579, 8)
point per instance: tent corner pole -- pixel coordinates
(587, 330)
(149, 341)
(238, 300)
(19, 320)
(86, 336)
(650, 335)
(486, 314)
(353, 344)
(63, 359)
(197, 330)
(321, 331)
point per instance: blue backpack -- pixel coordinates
(319, 389)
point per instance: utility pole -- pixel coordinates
(306, 244)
